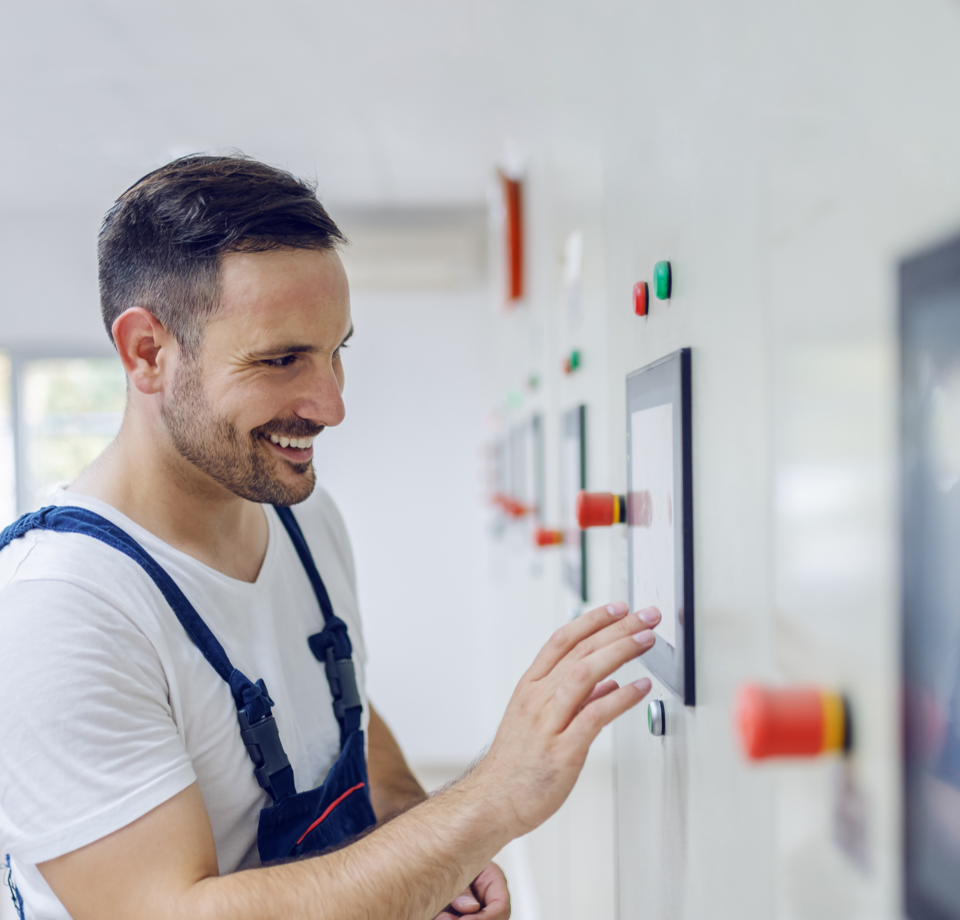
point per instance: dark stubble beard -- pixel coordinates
(215, 446)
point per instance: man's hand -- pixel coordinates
(558, 709)
(486, 899)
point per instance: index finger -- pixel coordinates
(565, 639)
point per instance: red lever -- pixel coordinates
(792, 722)
(544, 536)
(600, 509)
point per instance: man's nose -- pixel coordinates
(321, 400)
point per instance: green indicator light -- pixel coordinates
(574, 360)
(662, 280)
(650, 719)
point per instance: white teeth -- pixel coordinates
(296, 443)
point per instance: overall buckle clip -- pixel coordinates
(263, 745)
(342, 677)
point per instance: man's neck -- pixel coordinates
(142, 476)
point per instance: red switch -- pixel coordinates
(641, 297)
(600, 509)
(792, 722)
(544, 536)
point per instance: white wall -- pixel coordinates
(48, 295)
(784, 157)
(406, 470)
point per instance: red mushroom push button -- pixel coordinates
(792, 722)
(600, 509)
(544, 536)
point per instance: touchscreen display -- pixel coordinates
(651, 514)
(930, 327)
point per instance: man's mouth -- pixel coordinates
(298, 449)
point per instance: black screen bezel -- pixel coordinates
(668, 381)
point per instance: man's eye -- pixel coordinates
(336, 354)
(285, 361)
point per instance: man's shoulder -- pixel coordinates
(72, 575)
(54, 555)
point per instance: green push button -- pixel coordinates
(662, 280)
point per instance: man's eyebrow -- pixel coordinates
(292, 348)
(280, 350)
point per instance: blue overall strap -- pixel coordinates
(332, 645)
(258, 729)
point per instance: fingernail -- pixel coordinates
(618, 609)
(466, 902)
(645, 637)
(651, 615)
(643, 685)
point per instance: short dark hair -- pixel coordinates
(161, 243)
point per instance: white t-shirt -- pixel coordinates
(108, 709)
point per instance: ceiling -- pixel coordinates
(384, 103)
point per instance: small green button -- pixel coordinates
(662, 280)
(574, 360)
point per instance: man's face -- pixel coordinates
(268, 378)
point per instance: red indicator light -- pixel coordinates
(641, 298)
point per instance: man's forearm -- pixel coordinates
(408, 869)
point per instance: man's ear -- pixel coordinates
(145, 347)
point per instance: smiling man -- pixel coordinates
(182, 666)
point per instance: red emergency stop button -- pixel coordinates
(792, 722)
(600, 509)
(544, 536)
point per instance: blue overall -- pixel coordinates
(297, 823)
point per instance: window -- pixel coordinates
(66, 410)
